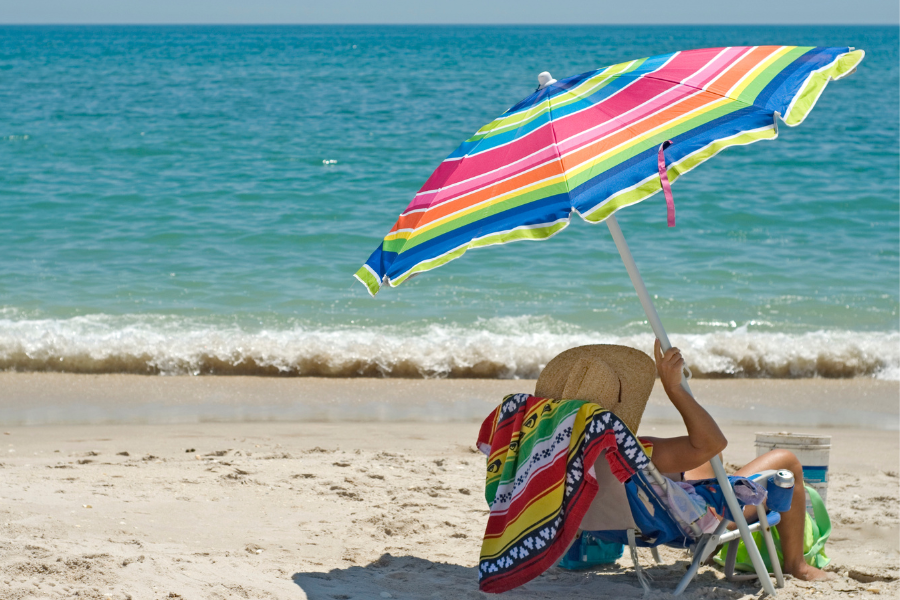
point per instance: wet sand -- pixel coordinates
(56, 398)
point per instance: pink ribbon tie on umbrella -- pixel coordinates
(664, 179)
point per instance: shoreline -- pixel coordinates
(63, 398)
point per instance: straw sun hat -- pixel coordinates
(617, 378)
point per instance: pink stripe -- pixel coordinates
(664, 180)
(574, 139)
(576, 132)
(490, 160)
(668, 77)
(696, 67)
(469, 171)
(693, 63)
(480, 173)
(717, 67)
(473, 168)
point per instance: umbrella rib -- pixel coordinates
(699, 89)
(558, 155)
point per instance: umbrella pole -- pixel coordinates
(658, 329)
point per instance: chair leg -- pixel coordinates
(655, 552)
(770, 545)
(731, 559)
(714, 540)
(642, 577)
(741, 522)
(692, 571)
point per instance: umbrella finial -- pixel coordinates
(545, 79)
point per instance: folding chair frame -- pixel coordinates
(706, 543)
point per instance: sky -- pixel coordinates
(793, 12)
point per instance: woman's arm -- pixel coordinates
(704, 439)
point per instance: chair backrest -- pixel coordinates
(635, 504)
(609, 510)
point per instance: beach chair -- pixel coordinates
(638, 514)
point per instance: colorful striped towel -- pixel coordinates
(540, 480)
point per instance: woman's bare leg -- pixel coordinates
(790, 530)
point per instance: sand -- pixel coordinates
(344, 509)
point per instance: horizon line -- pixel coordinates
(431, 24)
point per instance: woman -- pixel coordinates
(690, 454)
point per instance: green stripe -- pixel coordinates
(523, 118)
(538, 233)
(489, 210)
(367, 279)
(547, 424)
(633, 196)
(652, 142)
(763, 79)
(400, 245)
(807, 97)
(546, 428)
(674, 171)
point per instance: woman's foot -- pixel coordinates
(808, 573)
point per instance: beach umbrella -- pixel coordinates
(598, 142)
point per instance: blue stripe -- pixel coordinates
(540, 211)
(634, 170)
(381, 260)
(467, 148)
(779, 93)
(564, 85)
(619, 81)
(583, 198)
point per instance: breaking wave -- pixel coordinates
(501, 348)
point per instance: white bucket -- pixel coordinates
(811, 450)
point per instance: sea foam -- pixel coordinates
(502, 348)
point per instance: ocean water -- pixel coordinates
(197, 199)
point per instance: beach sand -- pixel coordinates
(366, 504)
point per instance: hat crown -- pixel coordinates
(618, 378)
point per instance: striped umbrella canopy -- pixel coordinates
(597, 142)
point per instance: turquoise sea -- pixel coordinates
(197, 199)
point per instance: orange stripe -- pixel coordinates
(633, 131)
(741, 68)
(417, 220)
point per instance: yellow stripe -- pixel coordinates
(694, 114)
(643, 138)
(503, 237)
(809, 95)
(582, 90)
(686, 164)
(408, 235)
(541, 512)
(754, 73)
